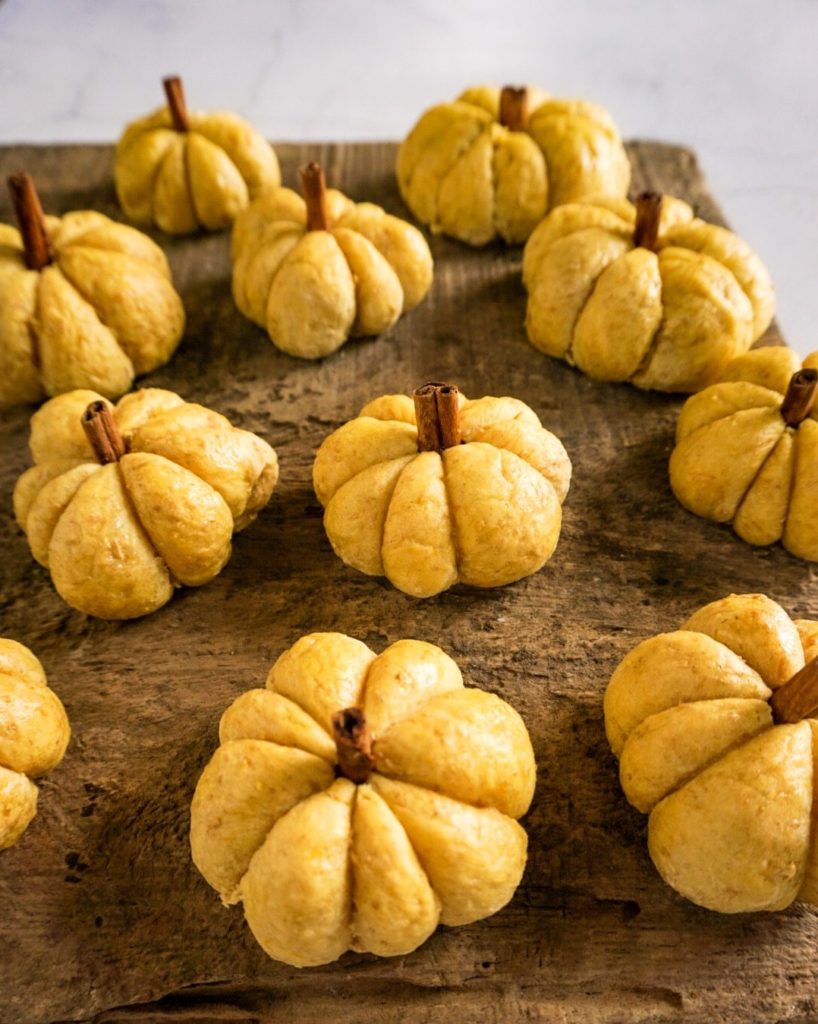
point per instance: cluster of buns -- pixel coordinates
(359, 800)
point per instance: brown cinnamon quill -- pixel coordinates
(31, 220)
(103, 434)
(353, 742)
(648, 214)
(800, 397)
(514, 108)
(797, 699)
(315, 196)
(175, 92)
(437, 413)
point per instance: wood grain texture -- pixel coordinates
(101, 904)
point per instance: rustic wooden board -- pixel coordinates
(102, 906)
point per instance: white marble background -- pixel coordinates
(736, 79)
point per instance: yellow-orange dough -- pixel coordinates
(322, 864)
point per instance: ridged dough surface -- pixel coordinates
(313, 290)
(737, 461)
(201, 178)
(485, 512)
(104, 311)
(119, 538)
(322, 864)
(728, 788)
(669, 320)
(464, 174)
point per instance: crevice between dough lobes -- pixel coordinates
(262, 244)
(568, 355)
(68, 505)
(758, 473)
(154, 177)
(457, 545)
(645, 363)
(137, 519)
(8, 768)
(795, 458)
(131, 507)
(650, 351)
(188, 180)
(653, 343)
(354, 944)
(96, 313)
(732, 412)
(32, 330)
(735, 745)
(435, 225)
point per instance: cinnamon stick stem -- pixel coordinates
(39, 251)
(648, 213)
(797, 699)
(800, 397)
(315, 196)
(353, 742)
(103, 434)
(437, 413)
(514, 108)
(175, 92)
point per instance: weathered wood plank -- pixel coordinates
(101, 904)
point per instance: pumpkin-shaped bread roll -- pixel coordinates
(493, 162)
(84, 303)
(715, 729)
(184, 171)
(648, 293)
(317, 271)
(34, 733)
(442, 490)
(360, 800)
(747, 451)
(124, 503)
